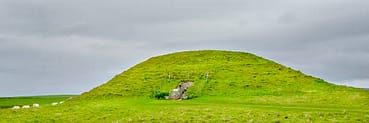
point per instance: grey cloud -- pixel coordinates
(72, 46)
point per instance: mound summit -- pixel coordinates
(224, 73)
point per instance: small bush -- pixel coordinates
(320, 81)
(160, 94)
(191, 94)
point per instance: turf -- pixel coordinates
(202, 109)
(8, 102)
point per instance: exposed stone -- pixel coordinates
(179, 92)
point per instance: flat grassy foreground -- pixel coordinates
(8, 102)
(202, 109)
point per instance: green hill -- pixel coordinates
(228, 87)
(227, 74)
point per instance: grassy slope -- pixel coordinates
(231, 74)
(8, 102)
(241, 88)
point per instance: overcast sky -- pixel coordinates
(71, 46)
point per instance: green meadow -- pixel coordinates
(9, 102)
(228, 87)
(202, 109)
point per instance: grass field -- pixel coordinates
(203, 109)
(8, 102)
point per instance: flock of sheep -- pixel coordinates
(35, 105)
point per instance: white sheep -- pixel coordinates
(61, 102)
(54, 103)
(26, 106)
(35, 105)
(16, 107)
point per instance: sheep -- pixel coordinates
(16, 107)
(26, 106)
(61, 102)
(54, 103)
(35, 105)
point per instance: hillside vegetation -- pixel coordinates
(229, 74)
(228, 87)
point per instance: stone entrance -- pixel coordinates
(179, 92)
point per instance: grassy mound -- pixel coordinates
(229, 86)
(228, 74)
